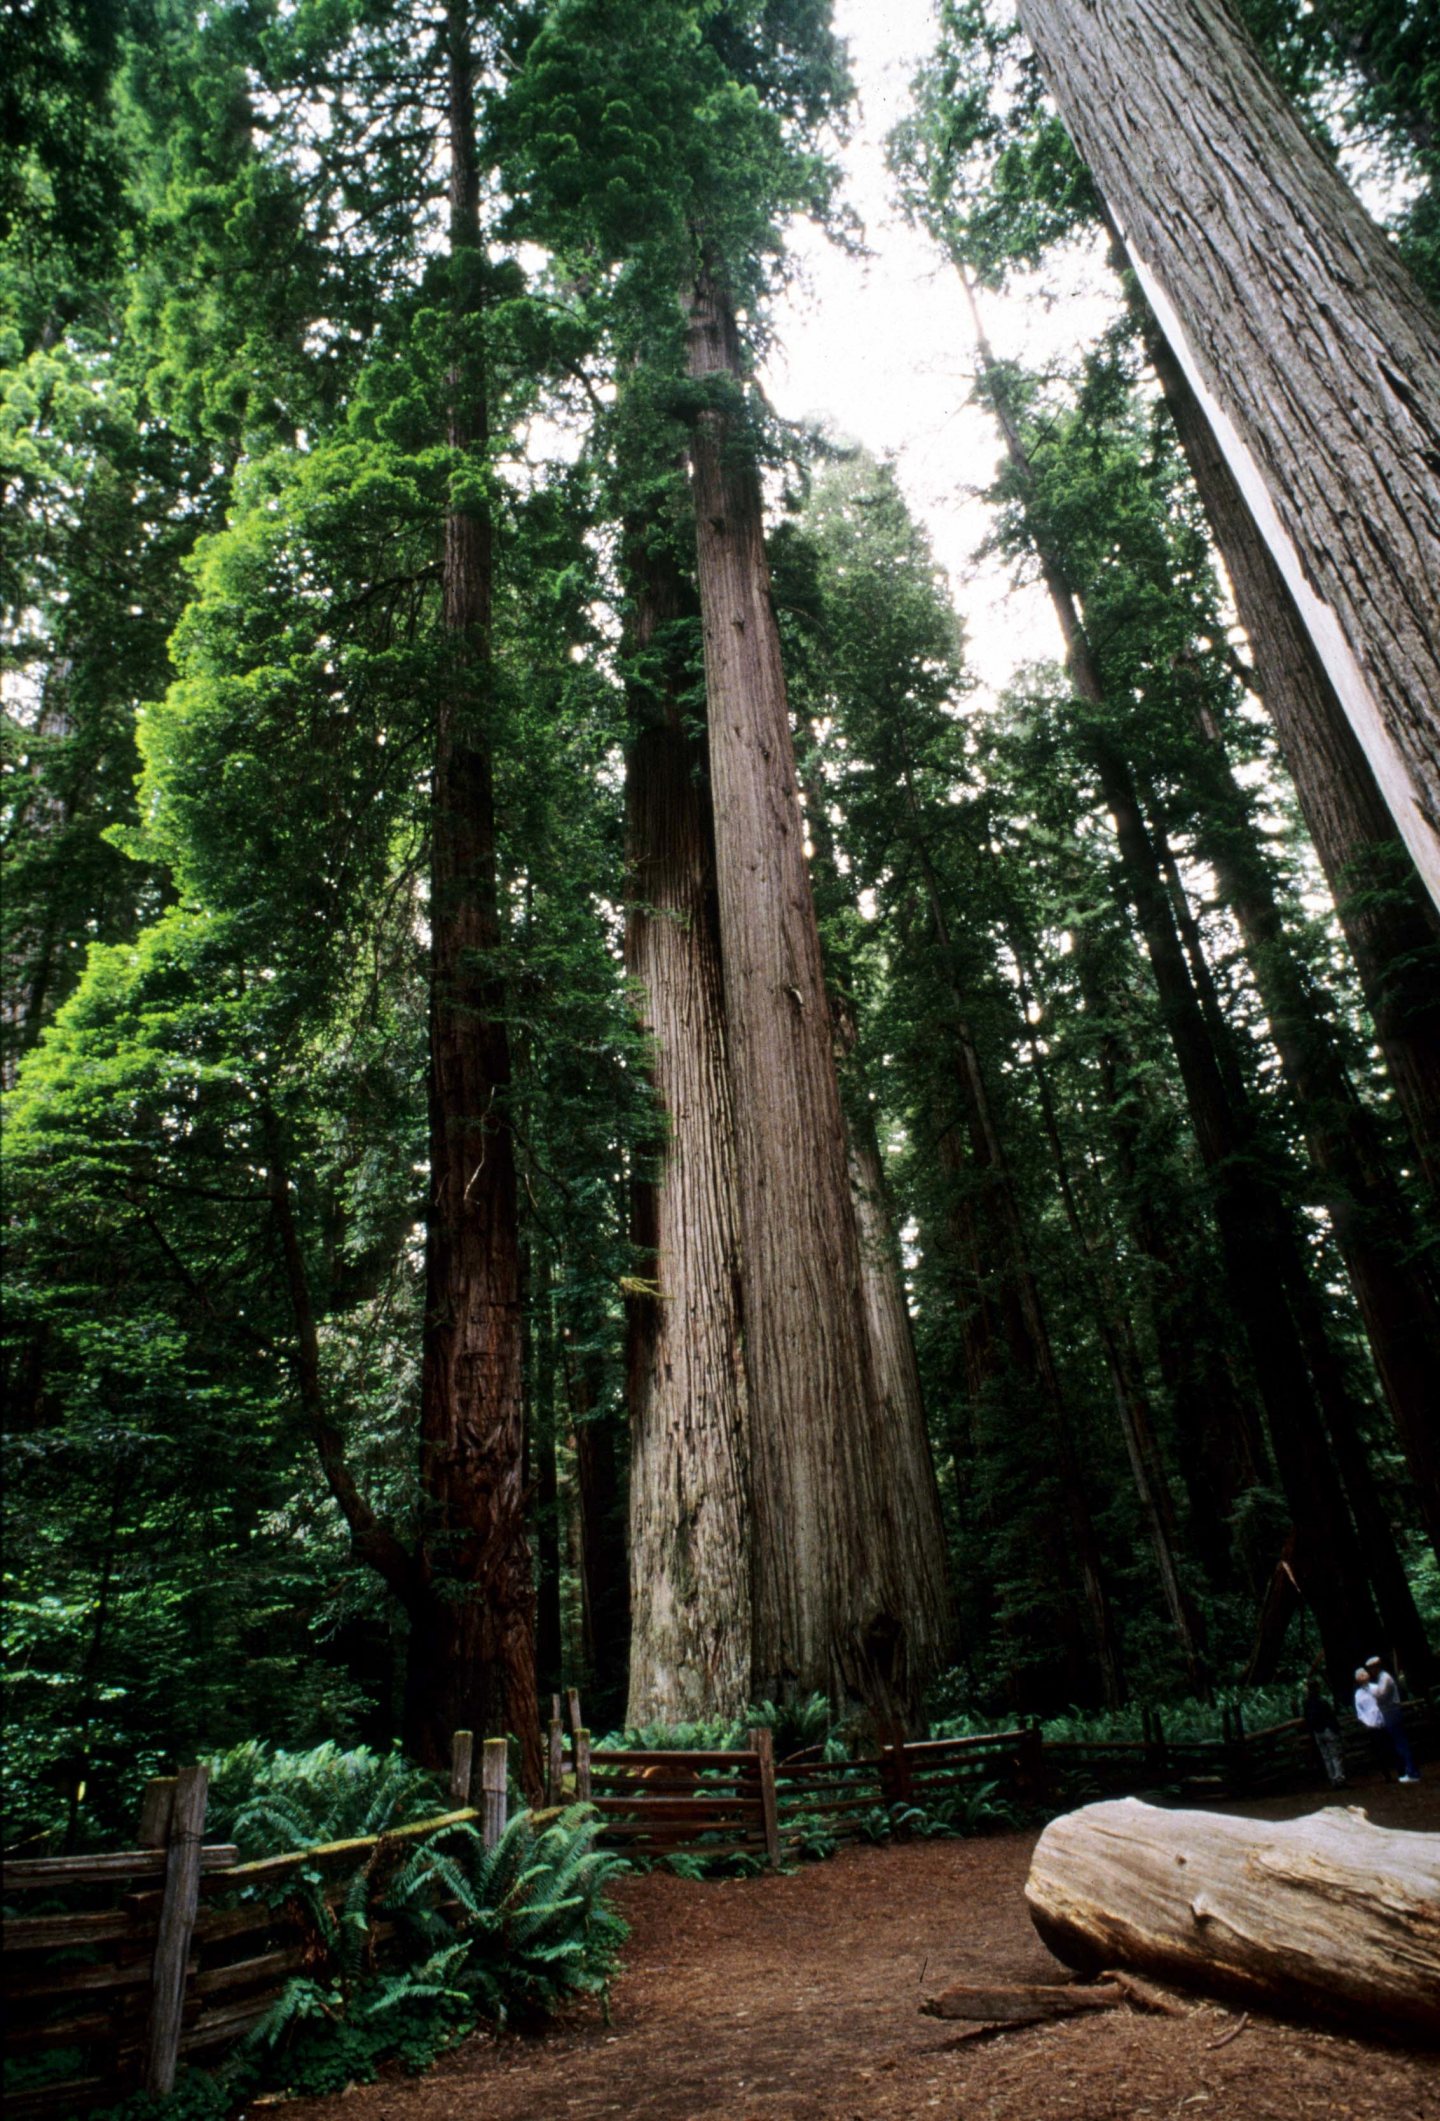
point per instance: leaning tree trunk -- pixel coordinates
(690, 1649)
(1309, 346)
(1394, 1290)
(1331, 1565)
(472, 1636)
(831, 1597)
(1326, 1915)
(1389, 922)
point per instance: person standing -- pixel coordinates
(1319, 1715)
(1383, 1687)
(1371, 1716)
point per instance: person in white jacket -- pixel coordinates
(1385, 1693)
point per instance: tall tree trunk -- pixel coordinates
(832, 1597)
(1022, 1311)
(1132, 1401)
(1309, 347)
(1220, 1447)
(541, 1475)
(1329, 1560)
(1394, 1291)
(903, 1434)
(1313, 1324)
(1049, 1662)
(472, 1643)
(600, 1485)
(1389, 922)
(691, 1636)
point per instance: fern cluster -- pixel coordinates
(797, 1726)
(266, 1800)
(474, 1934)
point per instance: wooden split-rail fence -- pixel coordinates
(175, 1949)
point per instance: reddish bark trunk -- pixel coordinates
(472, 1637)
(831, 1560)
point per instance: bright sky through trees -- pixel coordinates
(883, 350)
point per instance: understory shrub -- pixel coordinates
(471, 1935)
(266, 1800)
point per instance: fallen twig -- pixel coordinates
(1233, 2034)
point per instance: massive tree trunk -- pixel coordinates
(472, 1636)
(1309, 347)
(1389, 922)
(1325, 1915)
(900, 1404)
(689, 1532)
(904, 1437)
(830, 1554)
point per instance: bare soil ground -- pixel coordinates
(795, 1998)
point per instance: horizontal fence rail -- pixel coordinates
(192, 1947)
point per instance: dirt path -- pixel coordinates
(794, 1999)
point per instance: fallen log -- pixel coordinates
(1323, 1915)
(1029, 2005)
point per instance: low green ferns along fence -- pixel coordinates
(302, 1968)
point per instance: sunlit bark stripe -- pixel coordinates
(829, 1596)
(689, 1536)
(1313, 353)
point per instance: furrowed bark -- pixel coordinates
(472, 1642)
(1389, 922)
(904, 1436)
(1309, 347)
(830, 1599)
(690, 1652)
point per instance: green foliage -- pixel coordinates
(266, 1800)
(797, 1726)
(504, 1935)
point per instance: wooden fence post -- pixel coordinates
(462, 1759)
(494, 1787)
(762, 1745)
(155, 1808)
(177, 1921)
(555, 1764)
(1030, 1765)
(582, 1765)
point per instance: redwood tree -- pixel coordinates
(1310, 348)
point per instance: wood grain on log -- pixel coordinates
(1028, 2005)
(1324, 1914)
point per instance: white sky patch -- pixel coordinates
(882, 349)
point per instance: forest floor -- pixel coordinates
(796, 1998)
